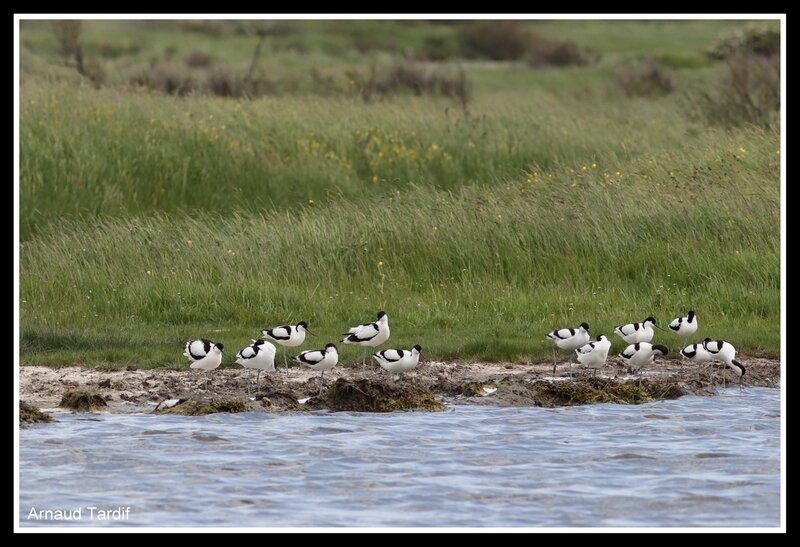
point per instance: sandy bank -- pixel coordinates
(371, 388)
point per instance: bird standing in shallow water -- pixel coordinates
(684, 327)
(319, 359)
(287, 336)
(398, 360)
(204, 354)
(568, 338)
(633, 333)
(259, 355)
(369, 334)
(594, 354)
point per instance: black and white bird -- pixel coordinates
(634, 333)
(568, 338)
(594, 354)
(684, 326)
(287, 336)
(398, 360)
(725, 352)
(259, 355)
(369, 334)
(697, 354)
(319, 359)
(641, 354)
(204, 354)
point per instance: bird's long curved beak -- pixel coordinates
(311, 333)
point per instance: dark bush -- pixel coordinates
(757, 38)
(198, 59)
(166, 78)
(644, 78)
(498, 40)
(544, 52)
(749, 92)
(115, 51)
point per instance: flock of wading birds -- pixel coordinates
(260, 355)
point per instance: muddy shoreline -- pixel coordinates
(431, 387)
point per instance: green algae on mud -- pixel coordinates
(192, 407)
(83, 400)
(363, 395)
(29, 414)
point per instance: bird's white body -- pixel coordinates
(594, 354)
(641, 354)
(568, 338)
(369, 334)
(398, 360)
(696, 353)
(634, 333)
(259, 355)
(684, 326)
(204, 354)
(319, 359)
(286, 335)
(720, 350)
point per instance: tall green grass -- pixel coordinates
(478, 272)
(85, 152)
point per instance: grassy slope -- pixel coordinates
(556, 201)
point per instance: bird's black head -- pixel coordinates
(330, 345)
(220, 346)
(381, 314)
(585, 326)
(303, 324)
(651, 319)
(418, 347)
(662, 349)
(599, 337)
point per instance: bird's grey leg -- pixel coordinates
(321, 380)
(258, 377)
(285, 361)
(554, 360)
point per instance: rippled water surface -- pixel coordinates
(694, 461)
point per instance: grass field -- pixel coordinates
(554, 198)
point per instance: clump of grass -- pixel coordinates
(29, 414)
(192, 407)
(83, 400)
(645, 78)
